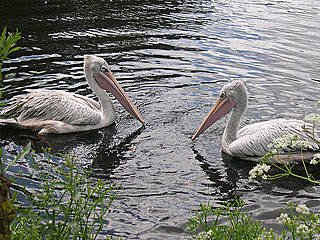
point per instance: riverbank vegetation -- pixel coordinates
(290, 141)
(8, 41)
(68, 205)
(231, 222)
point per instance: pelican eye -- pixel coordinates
(223, 95)
(104, 68)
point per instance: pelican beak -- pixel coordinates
(220, 108)
(108, 82)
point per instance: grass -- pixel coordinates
(298, 222)
(8, 42)
(69, 205)
(239, 225)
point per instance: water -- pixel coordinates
(172, 58)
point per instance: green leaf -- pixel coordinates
(7, 43)
(10, 75)
(13, 50)
(22, 154)
(3, 35)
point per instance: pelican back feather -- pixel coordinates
(58, 106)
(254, 139)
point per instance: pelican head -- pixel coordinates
(99, 76)
(232, 95)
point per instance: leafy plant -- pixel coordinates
(7, 46)
(287, 142)
(298, 222)
(69, 204)
(23, 153)
(239, 224)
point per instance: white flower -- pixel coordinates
(317, 155)
(303, 209)
(283, 218)
(302, 144)
(289, 141)
(284, 142)
(201, 236)
(314, 118)
(302, 228)
(259, 170)
(205, 235)
(315, 159)
(210, 233)
(274, 151)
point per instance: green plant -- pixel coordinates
(23, 153)
(298, 222)
(288, 142)
(7, 45)
(69, 204)
(239, 224)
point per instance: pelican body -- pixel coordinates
(251, 142)
(57, 111)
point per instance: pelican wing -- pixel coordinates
(59, 106)
(253, 140)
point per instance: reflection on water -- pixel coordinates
(172, 57)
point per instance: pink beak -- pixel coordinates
(220, 108)
(108, 82)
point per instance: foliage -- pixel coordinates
(68, 206)
(22, 154)
(239, 225)
(298, 224)
(7, 46)
(290, 141)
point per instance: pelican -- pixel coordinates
(57, 111)
(251, 142)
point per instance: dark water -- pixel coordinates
(172, 58)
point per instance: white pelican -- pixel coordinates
(251, 142)
(56, 111)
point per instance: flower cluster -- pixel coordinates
(283, 142)
(302, 229)
(314, 118)
(302, 144)
(315, 159)
(303, 209)
(205, 235)
(306, 225)
(283, 218)
(289, 141)
(259, 170)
